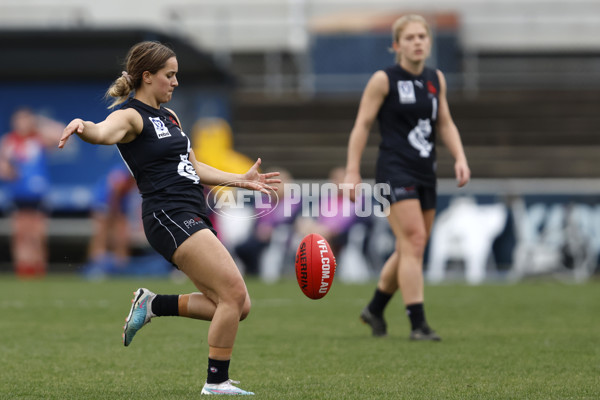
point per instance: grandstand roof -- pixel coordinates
(94, 54)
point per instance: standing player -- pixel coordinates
(159, 155)
(24, 164)
(409, 101)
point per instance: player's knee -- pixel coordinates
(414, 243)
(236, 295)
(245, 310)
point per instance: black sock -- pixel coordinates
(379, 302)
(166, 305)
(218, 371)
(416, 313)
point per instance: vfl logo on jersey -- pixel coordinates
(406, 90)
(419, 138)
(159, 127)
(186, 169)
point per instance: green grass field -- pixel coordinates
(60, 338)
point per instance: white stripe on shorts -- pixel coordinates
(184, 231)
(160, 222)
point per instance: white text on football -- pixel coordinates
(325, 267)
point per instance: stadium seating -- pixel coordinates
(509, 134)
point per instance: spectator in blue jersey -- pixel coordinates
(152, 142)
(109, 246)
(24, 165)
(409, 102)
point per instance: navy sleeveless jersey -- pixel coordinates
(158, 159)
(407, 122)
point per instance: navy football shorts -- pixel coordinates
(427, 195)
(167, 230)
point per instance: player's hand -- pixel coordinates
(353, 179)
(75, 126)
(254, 180)
(462, 172)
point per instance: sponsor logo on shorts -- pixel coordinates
(403, 191)
(193, 222)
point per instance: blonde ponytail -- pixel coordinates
(120, 90)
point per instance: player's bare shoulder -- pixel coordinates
(130, 120)
(380, 82)
(442, 79)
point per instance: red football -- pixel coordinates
(315, 266)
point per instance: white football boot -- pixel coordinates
(224, 388)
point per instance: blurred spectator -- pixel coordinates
(334, 228)
(23, 164)
(251, 251)
(109, 247)
(213, 145)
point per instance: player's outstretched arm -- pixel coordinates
(120, 126)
